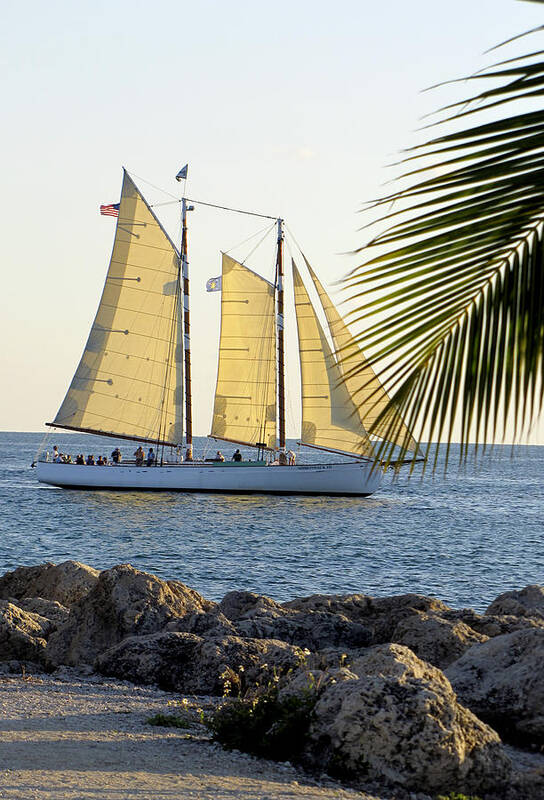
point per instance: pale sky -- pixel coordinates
(288, 108)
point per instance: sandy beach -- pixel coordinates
(65, 737)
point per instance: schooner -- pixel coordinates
(134, 378)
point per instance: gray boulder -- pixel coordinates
(502, 681)
(258, 617)
(22, 634)
(528, 602)
(436, 640)
(203, 623)
(188, 663)
(490, 625)
(378, 615)
(393, 718)
(55, 612)
(66, 583)
(124, 602)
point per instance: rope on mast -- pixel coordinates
(280, 326)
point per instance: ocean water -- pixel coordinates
(464, 538)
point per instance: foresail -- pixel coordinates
(364, 387)
(330, 418)
(245, 396)
(128, 382)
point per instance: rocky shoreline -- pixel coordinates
(408, 696)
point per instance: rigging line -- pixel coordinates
(267, 228)
(289, 249)
(40, 449)
(158, 188)
(227, 208)
(292, 236)
(259, 243)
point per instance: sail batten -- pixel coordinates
(259, 445)
(245, 396)
(127, 383)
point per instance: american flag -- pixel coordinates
(112, 210)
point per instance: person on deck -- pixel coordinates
(55, 453)
(139, 455)
(291, 458)
(219, 456)
(237, 456)
(282, 459)
(189, 453)
(90, 461)
(151, 457)
(80, 459)
(116, 456)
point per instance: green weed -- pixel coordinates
(457, 796)
(264, 725)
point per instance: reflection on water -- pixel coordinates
(464, 537)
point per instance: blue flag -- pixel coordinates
(213, 285)
(182, 174)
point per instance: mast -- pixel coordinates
(186, 324)
(279, 318)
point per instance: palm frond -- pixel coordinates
(451, 294)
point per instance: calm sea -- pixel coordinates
(464, 538)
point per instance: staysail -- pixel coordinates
(245, 396)
(363, 387)
(128, 382)
(330, 418)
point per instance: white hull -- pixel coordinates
(327, 479)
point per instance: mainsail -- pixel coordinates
(245, 396)
(330, 418)
(363, 385)
(128, 382)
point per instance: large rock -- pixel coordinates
(436, 640)
(528, 602)
(394, 718)
(22, 634)
(378, 615)
(55, 612)
(66, 583)
(188, 663)
(124, 602)
(502, 681)
(490, 625)
(258, 617)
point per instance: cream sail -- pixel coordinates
(363, 387)
(245, 396)
(134, 378)
(330, 418)
(128, 382)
